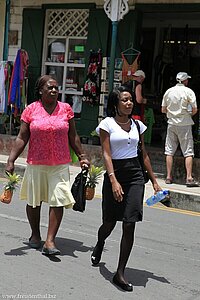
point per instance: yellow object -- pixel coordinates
(13, 180)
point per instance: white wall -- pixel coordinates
(18, 5)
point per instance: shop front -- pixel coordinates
(59, 39)
(170, 43)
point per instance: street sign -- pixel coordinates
(116, 9)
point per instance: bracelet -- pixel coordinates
(111, 174)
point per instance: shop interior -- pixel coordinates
(170, 43)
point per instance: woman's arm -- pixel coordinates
(19, 145)
(105, 143)
(147, 164)
(138, 93)
(75, 143)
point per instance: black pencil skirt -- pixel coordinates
(129, 174)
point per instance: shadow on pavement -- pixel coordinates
(135, 276)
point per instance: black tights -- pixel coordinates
(126, 244)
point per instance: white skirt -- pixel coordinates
(47, 184)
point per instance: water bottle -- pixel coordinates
(189, 108)
(156, 198)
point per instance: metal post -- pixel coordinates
(112, 54)
(115, 10)
(7, 16)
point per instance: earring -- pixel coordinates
(40, 93)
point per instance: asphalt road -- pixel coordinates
(164, 264)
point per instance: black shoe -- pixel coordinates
(34, 245)
(124, 286)
(96, 254)
(50, 251)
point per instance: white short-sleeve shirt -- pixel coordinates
(176, 99)
(123, 144)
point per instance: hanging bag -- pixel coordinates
(140, 154)
(78, 191)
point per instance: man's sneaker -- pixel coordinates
(192, 183)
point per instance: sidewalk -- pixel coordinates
(181, 196)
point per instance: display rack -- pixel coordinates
(105, 85)
(65, 59)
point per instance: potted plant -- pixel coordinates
(94, 174)
(13, 180)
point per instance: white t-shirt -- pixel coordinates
(123, 144)
(176, 99)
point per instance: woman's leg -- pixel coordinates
(125, 250)
(55, 218)
(33, 215)
(103, 232)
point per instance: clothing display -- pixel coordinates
(16, 95)
(6, 68)
(92, 86)
(129, 69)
(13, 88)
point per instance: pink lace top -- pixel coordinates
(48, 144)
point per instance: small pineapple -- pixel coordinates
(94, 175)
(13, 180)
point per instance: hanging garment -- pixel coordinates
(2, 89)
(77, 104)
(129, 69)
(14, 91)
(17, 78)
(91, 90)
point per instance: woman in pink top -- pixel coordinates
(48, 125)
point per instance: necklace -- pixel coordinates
(123, 123)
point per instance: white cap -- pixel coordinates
(181, 76)
(139, 73)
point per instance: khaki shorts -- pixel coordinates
(47, 184)
(179, 135)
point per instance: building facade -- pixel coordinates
(58, 36)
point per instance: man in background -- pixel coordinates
(179, 105)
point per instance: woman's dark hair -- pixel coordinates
(113, 100)
(39, 85)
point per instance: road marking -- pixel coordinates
(171, 209)
(176, 210)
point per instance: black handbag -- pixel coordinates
(140, 154)
(78, 191)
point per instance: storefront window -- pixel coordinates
(64, 52)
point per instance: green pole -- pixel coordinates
(112, 54)
(5, 47)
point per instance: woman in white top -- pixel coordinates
(123, 187)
